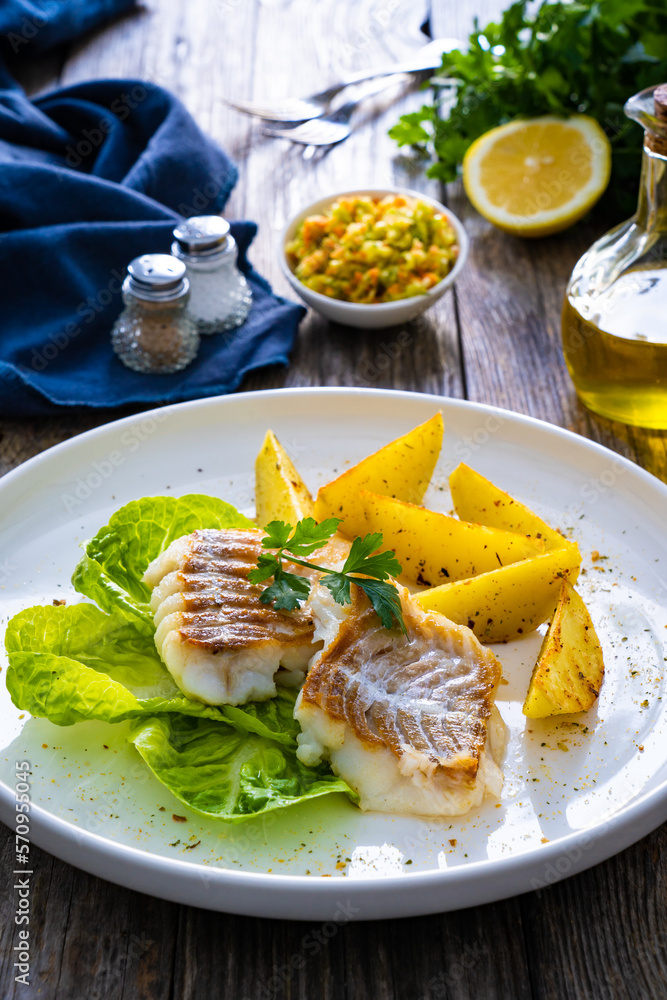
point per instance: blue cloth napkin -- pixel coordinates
(90, 177)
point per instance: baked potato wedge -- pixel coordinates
(402, 469)
(570, 668)
(506, 603)
(434, 548)
(477, 499)
(280, 492)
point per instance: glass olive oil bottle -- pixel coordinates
(615, 309)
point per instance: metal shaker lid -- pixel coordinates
(202, 234)
(157, 277)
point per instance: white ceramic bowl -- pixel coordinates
(363, 314)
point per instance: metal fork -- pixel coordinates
(325, 131)
(334, 127)
(296, 109)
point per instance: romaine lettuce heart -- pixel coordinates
(227, 774)
(76, 662)
(111, 571)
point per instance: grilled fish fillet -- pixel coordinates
(221, 645)
(407, 721)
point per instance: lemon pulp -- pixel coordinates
(538, 176)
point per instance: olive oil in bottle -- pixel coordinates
(616, 347)
(614, 319)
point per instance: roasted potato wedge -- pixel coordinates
(507, 602)
(280, 492)
(401, 469)
(434, 548)
(477, 499)
(570, 668)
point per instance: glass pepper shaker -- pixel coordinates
(615, 309)
(155, 333)
(220, 295)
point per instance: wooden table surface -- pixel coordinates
(599, 935)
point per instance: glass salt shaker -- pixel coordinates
(155, 332)
(220, 295)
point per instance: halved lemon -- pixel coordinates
(536, 176)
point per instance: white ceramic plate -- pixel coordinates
(576, 791)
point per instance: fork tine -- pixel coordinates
(325, 131)
(296, 134)
(315, 133)
(256, 109)
(292, 110)
(250, 108)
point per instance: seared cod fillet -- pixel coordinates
(407, 721)
(221, 645)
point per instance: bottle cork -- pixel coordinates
(658, 143)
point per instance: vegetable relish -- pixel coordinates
(373, 250)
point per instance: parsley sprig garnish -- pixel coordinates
(289, 590)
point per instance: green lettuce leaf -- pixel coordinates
(228, 775)
(273, 719)
(100, 667)
(79, 662)
(116, 558)
(73, 663)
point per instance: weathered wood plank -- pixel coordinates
(87, 937)
(50, 889)
(25, 438)
(261, 959)
(485, 953)
(201, 51)
(473, 953)
(573, 945)
(602, 935)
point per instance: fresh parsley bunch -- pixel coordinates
(289, 590)
(583, 56)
